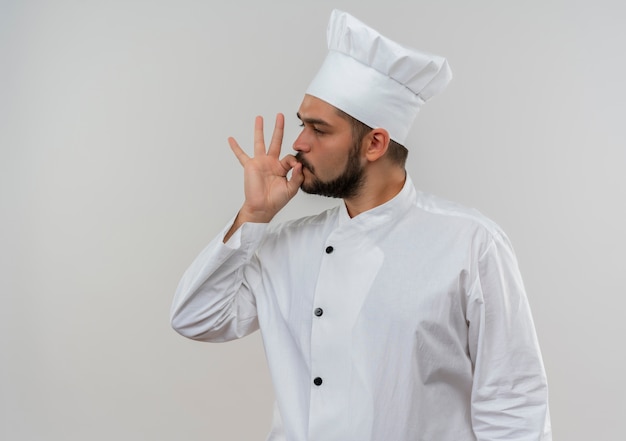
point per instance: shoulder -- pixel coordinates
(451, 210)
(453, 215)
(303, 229)
(315, 221)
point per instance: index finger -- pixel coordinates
(238, 151)
(277, 136)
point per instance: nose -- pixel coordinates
(301, 144)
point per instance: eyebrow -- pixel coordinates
(314, 121)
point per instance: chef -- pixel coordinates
(396, 316)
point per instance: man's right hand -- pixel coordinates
(266, 187)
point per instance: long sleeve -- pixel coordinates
(509, 394)
(214, 300)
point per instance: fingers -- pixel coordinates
(290, 162)
(259, 141)
(242, 157)
(297, 178)
(277, 136)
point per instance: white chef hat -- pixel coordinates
(374, 79)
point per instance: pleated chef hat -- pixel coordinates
(374, 79)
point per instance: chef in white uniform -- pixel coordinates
(395, 316)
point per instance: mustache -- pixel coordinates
(305, 164)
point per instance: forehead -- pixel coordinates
(315, 108)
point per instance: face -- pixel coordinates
(332, 163)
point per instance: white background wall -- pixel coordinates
(115, 172)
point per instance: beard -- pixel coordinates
(346, 185)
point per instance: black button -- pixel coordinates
(317, 381)
(318, 312)
(329, 249)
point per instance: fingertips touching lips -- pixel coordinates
(305, 164)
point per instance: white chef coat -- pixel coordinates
(407, 322)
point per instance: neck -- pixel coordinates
(377, 189)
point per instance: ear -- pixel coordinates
(377, 144)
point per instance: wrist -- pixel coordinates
(255, 216)
(244, 217)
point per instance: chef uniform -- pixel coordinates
(407, 322)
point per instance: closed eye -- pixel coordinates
(315, 129)
(314, 123)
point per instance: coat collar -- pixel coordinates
(390, 211)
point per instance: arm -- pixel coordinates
(509, 394)
(215, 298)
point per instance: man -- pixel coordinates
(394, 317)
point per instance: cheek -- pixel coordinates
(330, 160)
(334, 165)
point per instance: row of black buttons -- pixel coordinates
(318, 313)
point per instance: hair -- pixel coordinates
(396, 152)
